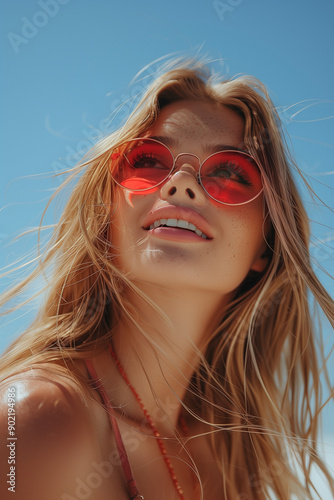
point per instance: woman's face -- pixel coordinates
(178, 258)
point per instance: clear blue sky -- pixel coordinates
(67, 64)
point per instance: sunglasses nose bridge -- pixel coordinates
(187, 162)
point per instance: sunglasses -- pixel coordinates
(230, 177)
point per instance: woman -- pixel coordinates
(174, 355)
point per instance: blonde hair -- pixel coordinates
(259, 378)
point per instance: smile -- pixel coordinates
(178, 223)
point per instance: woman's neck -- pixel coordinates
(160, 362)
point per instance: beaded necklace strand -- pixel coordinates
(152, 425)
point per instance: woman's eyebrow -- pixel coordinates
(168, 141)
(210, 148)
(223, 147)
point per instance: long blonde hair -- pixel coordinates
(259, 379)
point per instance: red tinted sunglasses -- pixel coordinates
(230, 177)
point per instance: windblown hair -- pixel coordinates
(258, 384)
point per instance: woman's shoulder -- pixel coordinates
(49, 427)
(40, 395)
(40, 391)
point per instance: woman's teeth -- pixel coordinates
(183, 224)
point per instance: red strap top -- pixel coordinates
(97, 384)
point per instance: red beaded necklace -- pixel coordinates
(152, 425)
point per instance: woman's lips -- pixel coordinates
(177, 234)
(174, 220)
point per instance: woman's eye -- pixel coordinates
(147, 161)
(144, 163)
(231, 171)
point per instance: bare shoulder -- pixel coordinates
(50, 437)
(39, 396)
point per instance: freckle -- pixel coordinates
(40, 405)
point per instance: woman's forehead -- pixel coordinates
(197, 120)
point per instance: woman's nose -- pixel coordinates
(183, 186)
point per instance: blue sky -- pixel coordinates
(67, 64)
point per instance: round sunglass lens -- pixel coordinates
(142, 165)
(231, 177)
